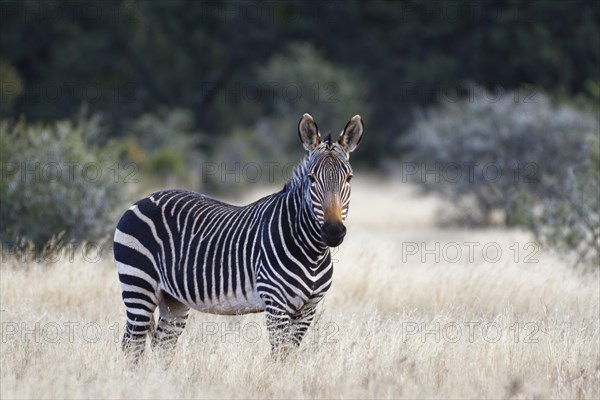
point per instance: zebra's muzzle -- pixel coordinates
(333, 233)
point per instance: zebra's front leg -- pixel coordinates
(171, 323)
(300, 323)
(278, 326)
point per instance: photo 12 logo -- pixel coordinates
(89, 252)
(67, 171)
(93, 332)
(469, 252)
(469, 172)
(58, 332)
(250, 172)
(469, 332)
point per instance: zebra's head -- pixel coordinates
(328, 171)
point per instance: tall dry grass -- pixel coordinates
(396, 323)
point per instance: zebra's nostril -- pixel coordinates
(334, 230)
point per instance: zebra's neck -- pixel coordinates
(305, 230)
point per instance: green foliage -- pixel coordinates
(55, 180)
(165, 146)
(129, 58)
(310, 83)
(165, 164)
(534, 160)
(313, 83)
(167, 128)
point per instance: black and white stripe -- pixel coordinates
(178, 249)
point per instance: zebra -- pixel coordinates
(177, 250)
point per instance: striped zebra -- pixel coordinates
(179, 249)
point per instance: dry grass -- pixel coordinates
(393, 325)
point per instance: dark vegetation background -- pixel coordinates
(128, 58)
(163, 88)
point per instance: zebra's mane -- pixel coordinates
(298, 175)
(301, 169)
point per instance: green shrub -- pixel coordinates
(540, 155)
(165, 146)
(56, 179)
(166, 163)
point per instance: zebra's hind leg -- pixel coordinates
(171, 323)
(140, 305)
(134, 339)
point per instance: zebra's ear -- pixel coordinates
(309, 132)
(352, 134)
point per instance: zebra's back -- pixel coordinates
(199, 250)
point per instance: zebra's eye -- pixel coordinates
(349, 178)
(312, 178)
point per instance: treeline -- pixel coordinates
(230, 63)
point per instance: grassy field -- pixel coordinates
(415, 311)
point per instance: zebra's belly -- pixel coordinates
(232, 304)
